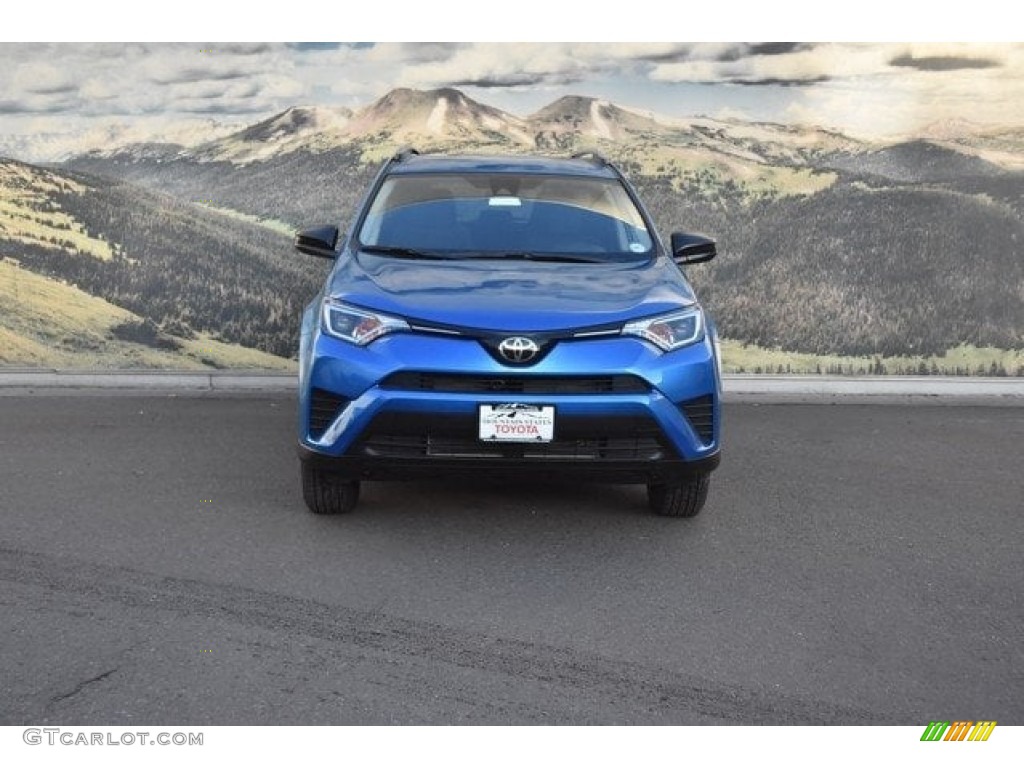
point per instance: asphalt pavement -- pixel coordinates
(854, 564)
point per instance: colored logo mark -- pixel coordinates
(960, 730)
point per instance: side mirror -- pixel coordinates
(319, 241)
(692, 249)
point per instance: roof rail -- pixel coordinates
(590, 154)
(404, 154)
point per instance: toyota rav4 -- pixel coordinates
(500, 315)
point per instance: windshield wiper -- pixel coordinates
(566, 258)
(403, 253)
(412, 253)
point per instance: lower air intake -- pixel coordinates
(324, 408)
(700, 412)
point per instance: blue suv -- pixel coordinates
(495, 315)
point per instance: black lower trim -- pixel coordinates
(370, 468)
(396, 436)
(502, 384)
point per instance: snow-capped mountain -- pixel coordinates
(435, 119)
(593, 119)
(446, 119)
(295, 128)
(445, 114)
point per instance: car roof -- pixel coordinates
(518, 164)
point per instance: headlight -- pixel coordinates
(358, 326)
(669, 332)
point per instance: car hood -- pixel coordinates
(510, 295)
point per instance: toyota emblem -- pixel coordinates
(518, 349)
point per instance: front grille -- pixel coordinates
(577, 439)
(515, 385)
(596, 449)
(324, 408)
(700, 412)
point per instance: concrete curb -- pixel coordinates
(176, 381)
(738, 387)
(749, 386)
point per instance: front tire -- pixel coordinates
(326, 493)
(682, 498)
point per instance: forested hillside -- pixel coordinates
(859, 271)
(184, 268)
(296, 188)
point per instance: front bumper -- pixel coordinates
(662, 423)
(613, 471)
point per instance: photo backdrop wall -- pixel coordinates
(868, 200)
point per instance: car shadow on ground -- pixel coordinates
(476, 496)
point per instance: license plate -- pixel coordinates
(517, 423)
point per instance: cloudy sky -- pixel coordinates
(873, 89)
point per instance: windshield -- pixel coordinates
(505, 214)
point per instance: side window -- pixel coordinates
(370, 233)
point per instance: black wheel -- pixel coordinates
(682, 498)
(327, 494)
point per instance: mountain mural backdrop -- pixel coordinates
(836, 254)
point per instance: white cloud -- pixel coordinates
(496, 64)
(112, 79)
(40, 77)
(864, 88)
(835, 61)
(814, 64)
